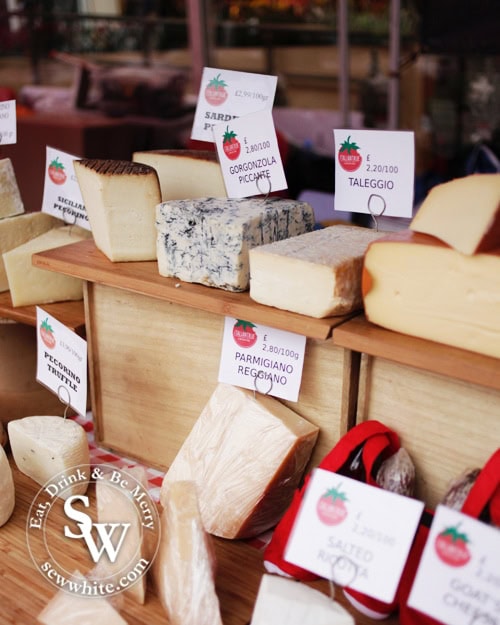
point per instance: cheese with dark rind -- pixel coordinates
(247, 453)
(207, 240)
(120, 198)
(464, 213)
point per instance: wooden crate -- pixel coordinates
(444, 402)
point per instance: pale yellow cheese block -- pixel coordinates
(45, 446)
(11, 202)
(247, 453)
(7, 489)
(185, 174)
(184, 567)
(120, 198)
(317, 274)
(31, 285)
(417, 285)
(15, 231)
(464, 213)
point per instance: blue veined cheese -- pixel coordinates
(208, 240)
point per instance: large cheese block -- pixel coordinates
(208, 240)
(67, 608)
(316, 274)
(247, 453)
(185, 174)
(417, 285)
(120, 199)
(31, 285)
(43, 447)
(284, 601)
(7, 489)
(11, 202)
(15, 231)
(464, 213)
(184, 567)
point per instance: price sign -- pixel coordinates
(8, 122)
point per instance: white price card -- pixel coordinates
(262, 359)
(354, 534)
(458, 578)
(61, 361)
(375, 172)
(8, 122)
(225, 95)
(61, 192)
(249, 155)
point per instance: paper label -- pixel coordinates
(61, 361)
(458, 578)
(374, 172)
(262, 359)
(354, 534)
(8, 122)
(249, 155)
(62, 197)
(226, 95)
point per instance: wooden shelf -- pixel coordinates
(359, 335)
(71, 314)
(84, 260)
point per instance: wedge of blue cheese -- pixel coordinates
(207, 241)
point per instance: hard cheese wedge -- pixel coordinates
(464, 213)
(31, 285)
(316, 274)
(120, 199)
(185, 563)
(282, 601)
(15, 231)
(247, 455)
(67, 608)
(44, 447)
(7, 489)
(208, 240)
(185, 174)
(417, 285)
(11, 202)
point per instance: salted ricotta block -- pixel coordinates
(15, 231)
(7, 489)
(247, 454)
(11, 202)
(208, 240)
(120, 199)
(46, 446)
(464, 213)
(415, 284)
(72, 609)
(31, 285)
(184, 567)
(185, 174)
(316, 274)
(284, 601)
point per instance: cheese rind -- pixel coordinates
(31, 285)
(15, 231)
(316, 274)
(120, 199)
(44, 447)
(207, 241)
(417, 285)
(185, 174)
(7, 488)
(247, 455)
(284, 601)
(11, 202)
(185, 564)
(464, 213)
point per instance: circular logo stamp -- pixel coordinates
(99, 521)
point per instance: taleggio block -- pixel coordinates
(246, 455)
(316, 274)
